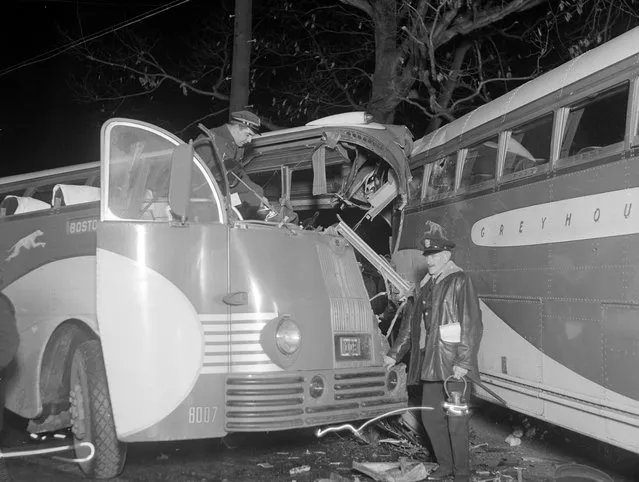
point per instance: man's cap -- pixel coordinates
(433, 239)
(246, 118)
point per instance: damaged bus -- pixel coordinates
(539, 189)
(149, 310)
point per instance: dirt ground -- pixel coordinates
(272, 457)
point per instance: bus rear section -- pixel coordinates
(181, 323)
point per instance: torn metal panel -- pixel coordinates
(317, 148)
(403, 287)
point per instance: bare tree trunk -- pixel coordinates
(241, 55)
(384, 96)
(447, 92)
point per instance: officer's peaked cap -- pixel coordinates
(247, 118)
(434, 239)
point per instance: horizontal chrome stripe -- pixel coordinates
(245, 337)
(227, 348)
(235, 358)
(225, 368)
(256, 316)
(235, 338)
(226, 327)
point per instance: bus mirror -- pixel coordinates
(180, 187)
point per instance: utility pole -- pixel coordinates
(241, 70)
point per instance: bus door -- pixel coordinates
(160, 288)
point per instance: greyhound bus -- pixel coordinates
(540, 190)
(148, 310)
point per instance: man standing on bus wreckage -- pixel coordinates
(231, 139)
(442, 331)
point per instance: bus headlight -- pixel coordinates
(288, 337)
(392, 381)
(316, 387)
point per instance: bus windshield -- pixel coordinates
(139, 162)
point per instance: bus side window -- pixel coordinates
(597, 122)
(480, 163)
(415, 184)
(442, 177)
(529, 145)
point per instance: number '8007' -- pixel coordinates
(201, 414)
(84, 226)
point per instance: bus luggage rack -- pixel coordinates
(279, 402)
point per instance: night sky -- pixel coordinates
(42, 124)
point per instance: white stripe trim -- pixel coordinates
(223, 369)
(256, 347)
(238, 316)
(245, 337)
(225, 358)
(217, 329)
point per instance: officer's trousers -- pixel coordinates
(448, 434)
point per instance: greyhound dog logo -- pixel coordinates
(432, 230)
(28, 242)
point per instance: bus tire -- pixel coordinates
(92, 415)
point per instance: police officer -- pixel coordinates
(230, 140)
(442, 333)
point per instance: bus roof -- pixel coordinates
(48, 172)
(606, 55)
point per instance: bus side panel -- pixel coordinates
(559, 313)
(48, 273)
(585, 276)
(158, 288)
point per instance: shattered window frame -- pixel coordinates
(446, 167)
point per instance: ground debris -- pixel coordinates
(392, 441)
(335, 477)
(299, 470)
(513, 441)
(404, 433)
(406, 470)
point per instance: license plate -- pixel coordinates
(350, 346)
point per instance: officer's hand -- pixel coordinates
(389, 362)
(459, 372)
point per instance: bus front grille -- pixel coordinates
(259, 402)
(350, 306)
(284, 401)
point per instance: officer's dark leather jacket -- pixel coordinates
(453, 299)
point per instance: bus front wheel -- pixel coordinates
(92, 415)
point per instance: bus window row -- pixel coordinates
(151, 206)
(47, 197)
(592, 125)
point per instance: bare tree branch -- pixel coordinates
(469, 23)
(363, 5)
